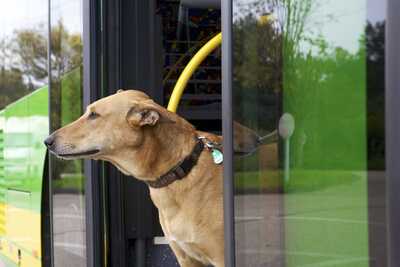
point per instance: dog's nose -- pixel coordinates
(49, 141)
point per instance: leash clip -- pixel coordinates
(208, 143)
(216, 153)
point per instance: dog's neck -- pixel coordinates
(163, 147)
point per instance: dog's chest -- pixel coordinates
(183, 234)
(192, 250)
(188, 246)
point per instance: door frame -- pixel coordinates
(392, 98)
(227, 132)
(92, 169)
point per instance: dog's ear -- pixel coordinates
(146, 113)
(120, 91)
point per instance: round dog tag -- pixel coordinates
(217, 155)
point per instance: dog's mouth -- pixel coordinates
(79, 154)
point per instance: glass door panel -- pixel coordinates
(67, 177)
(308, 84)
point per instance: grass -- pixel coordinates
(300, 180)
(74, 182)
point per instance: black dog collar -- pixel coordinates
(181, 170)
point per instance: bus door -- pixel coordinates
(315, 72)
(147, 44)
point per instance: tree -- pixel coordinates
(12, 86)
(29, 48)
(24, 59)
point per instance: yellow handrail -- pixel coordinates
(190, 68)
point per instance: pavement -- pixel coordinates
(260, 222)
(69, 230)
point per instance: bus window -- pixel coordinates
(23, 125)
(313, 71)
(67, 179)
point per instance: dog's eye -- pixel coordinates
(93, 115)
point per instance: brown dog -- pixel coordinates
(144, 140)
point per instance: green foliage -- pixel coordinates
(306, 180)
(12, 86)
(29, 46)
(24, 59)
(280, 62)
(326, 93)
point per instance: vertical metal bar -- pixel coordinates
(112, 25)
(392, 67)
(286, 169)
(50, 261)
(229, 225)
(140, 252)
(91, 89)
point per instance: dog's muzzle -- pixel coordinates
(49, 141)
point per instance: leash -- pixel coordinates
(269, 138)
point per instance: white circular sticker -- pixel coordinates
(286, 126)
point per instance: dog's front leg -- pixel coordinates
(184, 259)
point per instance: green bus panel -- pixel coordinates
(24, 125)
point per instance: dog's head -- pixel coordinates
(111, 124)
(246, 141)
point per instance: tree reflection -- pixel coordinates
(12, 82)
(286, 65)
(263, 50)
(24, 59)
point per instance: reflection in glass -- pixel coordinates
(23, 49)
(314, 71)
(23, 125)
(66, 106)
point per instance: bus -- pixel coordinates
(317, 75)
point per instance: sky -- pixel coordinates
(22, 14)
(340, 22)
(344, 30)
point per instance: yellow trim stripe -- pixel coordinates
(20, 242)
